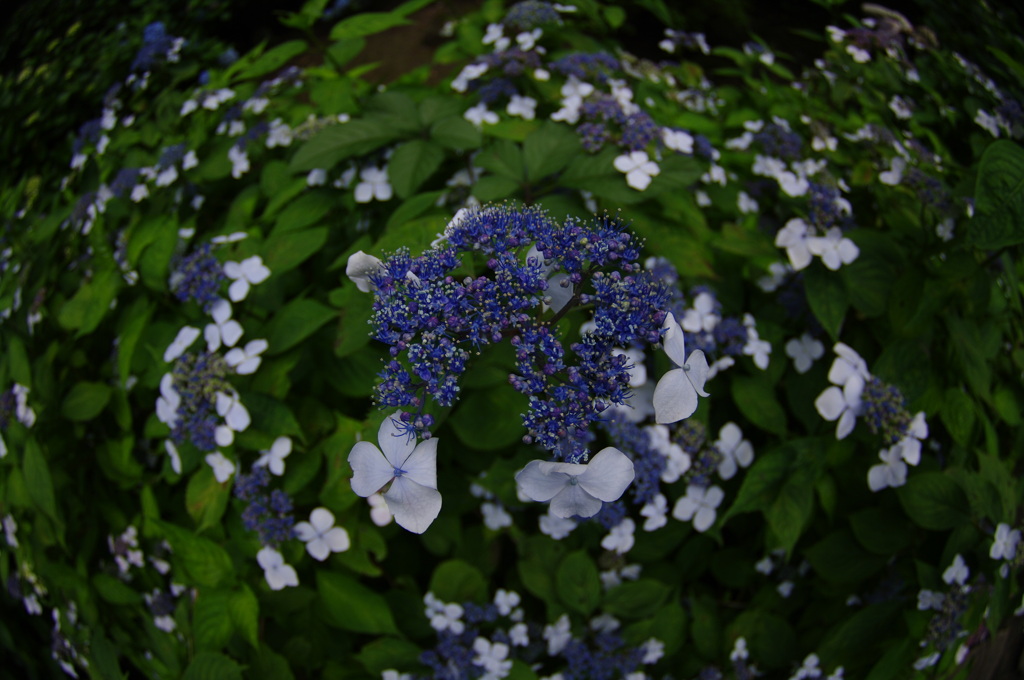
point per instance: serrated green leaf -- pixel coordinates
(245, 614)
(827, 298)
(458, 581)
(578, 582)
(295, 322)
(85, 401)
(413, 163)
(212, 666)
(339, 142)
(350, 605)
(304, 211)
(287, 250)
(934, 501)
(38, 481)
(273, 59)
(636, 599)
(205, 563)
(206, 499)
(114, 590)
(999, 198)
(86, 309)
(474, 421)
(366, 23)
(455, 132)
(756, 399)
(838, 558)
(211, 619)
(549, 149)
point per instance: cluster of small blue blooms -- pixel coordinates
(824, 209)
(929, 190)
(780, 142)
(587, 66)
(635, 130)
(529, 14)
(198, 276)
(124, 181)
(198, 377)
(269, 514)
(156, 47)
(703, 148)
(611, 514)
(885, 411)
(648, 463)
(945, 627)
(605, 657)
(431, 320)
(691, 436)
(512, 62)
(89, 134)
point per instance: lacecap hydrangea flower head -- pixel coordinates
(532, 270)
(529, 272)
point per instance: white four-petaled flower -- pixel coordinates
(411, 469)
(638, 167)
(278, 574)
(222, 467)
(244, 274)
(273, 458)
(699, 504)
(321, 536)
(245, 360)
(577, 489)
(675, 396)
(224, 330)
(1004, 543)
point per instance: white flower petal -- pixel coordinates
(674, 397)
(414, 506)
(370, 469)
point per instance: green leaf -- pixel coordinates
(338, 142)
(475, 423)
(205, 563)
(957, 415)
(245, 615)
(755, 398)
(287, 250)
(353, 329)
(934, 501)
(273, 59)
(706, 629)
(271, 416)
(827, 298)
(503, 158)
(381, 654)
(538, 565)
(366, 23)
(458, 581)
(413, 163)
(114, 590)
(636, 599)
(490, 188)
(549, 149)
(85, 401)
(770, 638)
(306, 210)
(578, 582)
(17, 361)
(999, 198)
(879, 531)
(868, 280)
(455, 132)
(295, 322)
(90, 304)
(206, 499)
(136, 318)
(38, 481)
(211, 619)
(839, 559)
(212, 666)
(667, 625)
(349, 605)
(269, 665)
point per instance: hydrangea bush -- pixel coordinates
(544, 360)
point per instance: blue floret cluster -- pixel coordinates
(529, 271)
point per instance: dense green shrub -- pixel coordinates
(576, 364)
